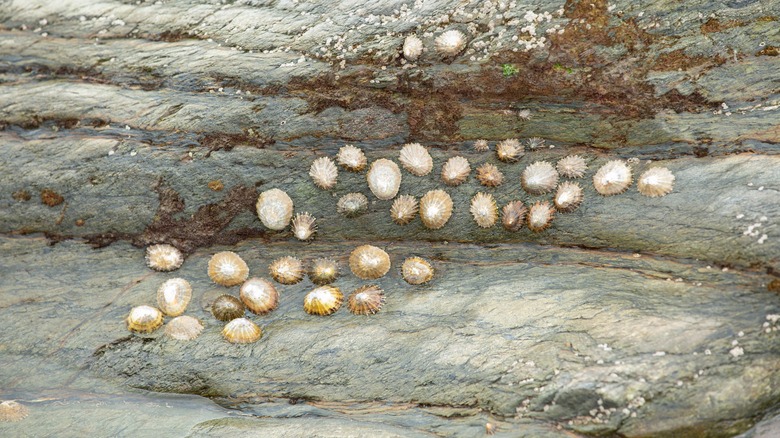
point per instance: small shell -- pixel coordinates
(416, 159)
(366, 300)
(612, 178)
(227, 308)
(259, 295)
(657, 181)
(490, 429)
(535, 143)
(450, 43)
(435, 209)
(323, 300)
(369, 262)
(323, 270)
(144, 319)
(513, 215)
(352, 204)
(384, 179)
(509, 150)
(324, 173)
(163, 257)
(539, 178)
(183, 328)
(173, 296)
(352, 158)
(573, 166)
(481, 146)
(489, 175)
(404, 209)
(568, 197)
(540, 216)
(287, 270)
(455, 171)
(484, 210)
(413, 47)
(416, 270)
(241, 331)
(228, 269)
(275, 209)
(11, 411)
(303, 226)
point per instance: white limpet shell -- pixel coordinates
(241, 331)
(573, 166)
(509, 150)
(450, 43)
(539, 178)
(481, 145)
(540, 216)
(655, 182)
(183, 328)
(413, 47)
(352, 204)
(612, 178)
(416, 159)
(275, 209)
(455, 171)
(535, 143)
(568, 197)
(435, 209)
(144, 319)
(352, 158)
(404, 209)
(227, 268)
(163, 257)
(384, 179)
(173, 296)
(324, 173)
(369, 262)
(303, 226)
(484, 209)
(259, 295)
(416, 270)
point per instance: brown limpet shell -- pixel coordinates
(173, 296)
(163, 257)
(369, 262)
(324, 300)
(513, 215)
(416, 270)
(287, 270)
(228, 269)
(241, 331)
(404, 209)
(489, 175)
(183, 328)
(144, 319)
(366, 300)
(227, 308)
(352, 204)
(259, 295)
(540, 216)
(324, 270)
(509, 150)
(435, 209)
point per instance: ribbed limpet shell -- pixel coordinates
(455, 171)
(369, 262)
(323, 300)
(612, 178)
(228, 269)
(384, 179)
(183, 328)
(404, 209)
(304, 226)
(259, 295)
(324, 270)
(412, 48)
(275, 209)
(287, 270)
(539, 178)
(324, 173)
(241, 331)
(144, 319)
(450, 43)
(572, 166)
(163, 257)
(11, 411)
(484, 210)
(489, 175)
(657, 181)
(352, 204)
(352, 158)
(535, 143)
(416, 270)
(568, 197)
(435, 209)
(227, 308)
(416, 159)
(540, 216)
(481, 145)
(513, 215)
(173, 296)
(366, 300)
(509, 150)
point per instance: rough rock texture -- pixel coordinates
(130, 123)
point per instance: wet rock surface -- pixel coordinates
(130, 124)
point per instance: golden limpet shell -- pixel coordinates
(384, 179)
(489, 175)
(435, 209)
(404, 209)
(163, 257)
(144, 319)
(416, 270)
(539, 178)
(324, 173)
(228, 269)
(259, 295)
(183, 328)
(535, 143)
(227, 308)
(241, 331)
(509, 150)
(352, 204)
(323, 300)
(612, 178)
(450, 43)
(484, 210)
(657, 181)
(455, 171)
(324, 270)
(513, 215)
(11, 411)
(481, 146)
(568, 197)
(540, 216)
(573, 166)
(303, 226)
(173, 296)
(366, 300)
(287, 270)
(274, 208)
(369, 262)
(416, 159)
(352, 158)
(413, 47)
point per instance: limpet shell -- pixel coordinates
(435, 209)
(450, 43)
(568, 197)
(540, 216)
(11, 411)
(509, 150)
(489, 175)
(384, 179)
(352, 158)
(366, 300)
(144, 319)
(324, 270)
(352, 204)
(228, 269)
(173, 296)
(416, 159)
(535, 143)
(259, 295)
(413, 47)
(241, 331)
(657, 181)
(484, 210)
(324, 173)
(513, 215)
(416, 270)
(287, 270)
(323, 300)
(612, 178)
(369, 262)
(227, 308)
(455, 171)
(275, 209)
(163, 257)
(573, 166)
(404, 209)
(303, 226)
(539, 178)
(183, 328)
(481, 145)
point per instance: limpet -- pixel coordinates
(416, 270)
(227, 268)
(540, 216)
(657, 181)
(323, 300)
(287, 270)
(413, 47)
(435, 209)
(173, 296)
(450, 43)
(369, 262)
(612, 178)
(163, 257)
(366, 300)
(568, 197)
(241, 331)
(455, 171)
(573, 166)
(513, 215)
(352, 204)
(11, 411)
(384, 179)
(144, 319)
(274, 208)
(481, 145)
(489, 175)
(324, 173)
(183, 328)
(539, 178)
(404, 209)
(484, 210)
(324, 270)
(352, 158)
(303, 226)
(416, 159)
(259, 295)
(509, 150)
(227, 308)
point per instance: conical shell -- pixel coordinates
(352, 204)
(163, 257)
(484, 210)
(657, 181)
(304, 226)
(568, 197)
(11, 411)
(323, 300)
(539, 178)
(455, 171)
(535, 143)
(572, 166)
(366, 300)
(241, 331)
(228, 269)
(144, 319)
(489, 175)
(323, 270)
(612, 178)
(384, 179)
(540, 216)
(183, 328)
(275, 209)
(450, 43)
(513, 215)
(352, 158)
(287, 270)
(173, 296)
(416, 159)
(481, 146)
(416, 270)
(509, 150)
(324, 173)
(259, 295)
(369, 262)
(435, 209)
(227, 308)
(404, 209)
(413, 47)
